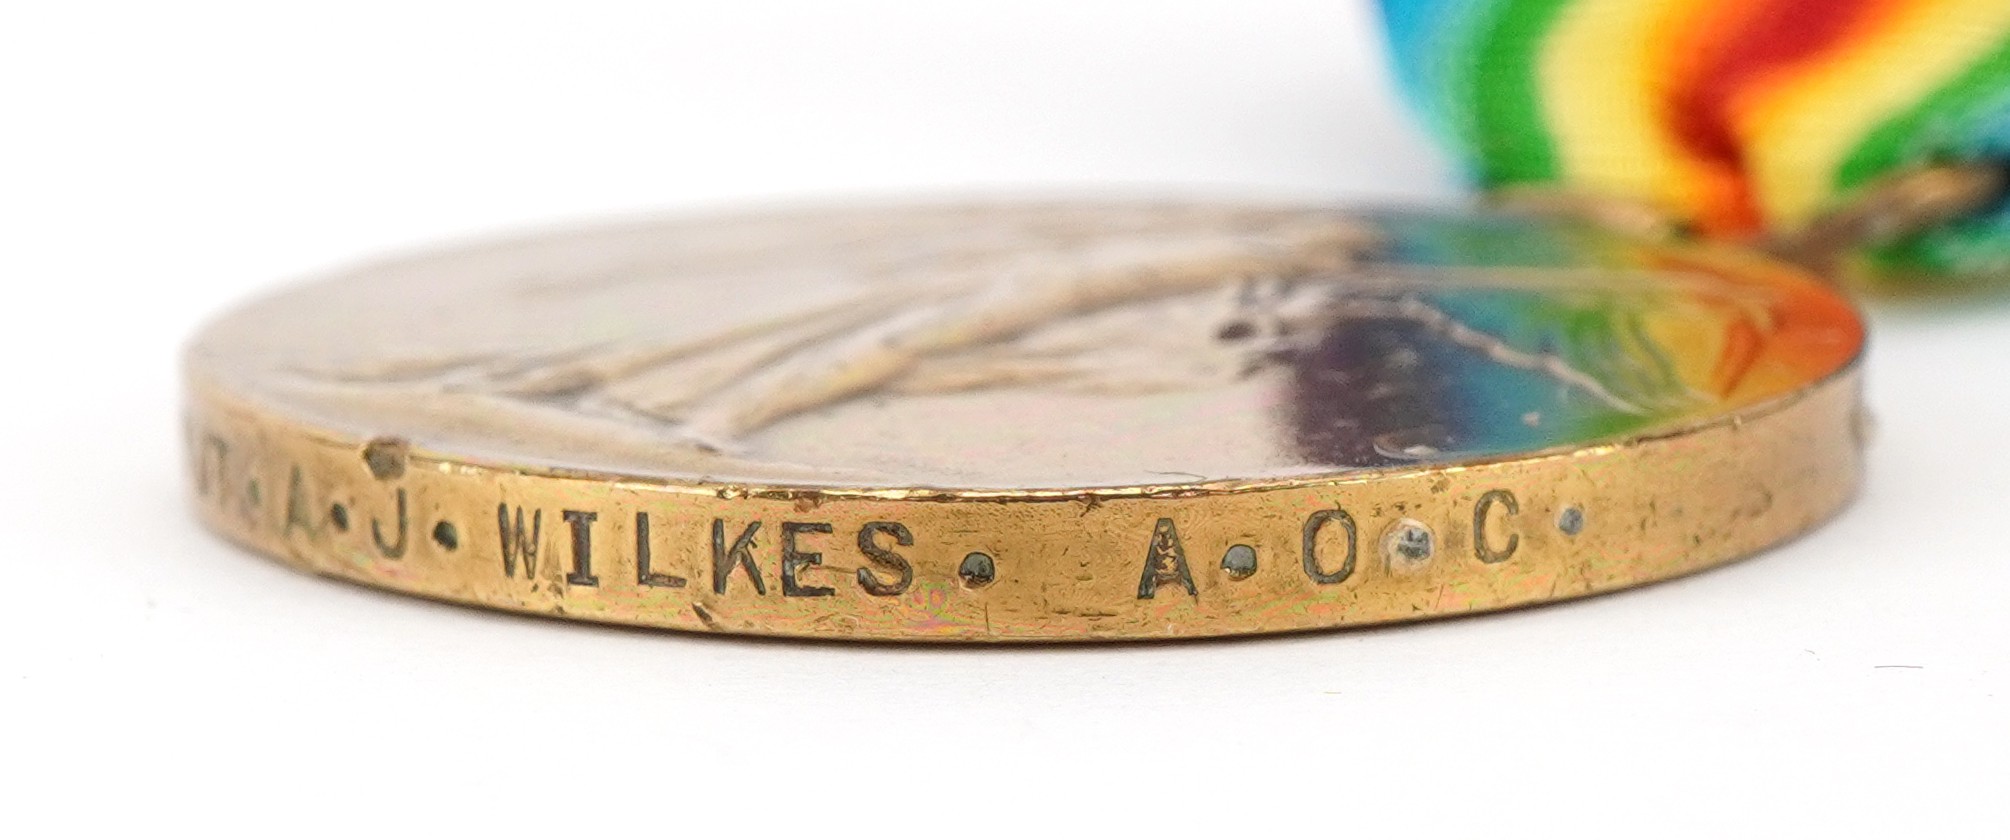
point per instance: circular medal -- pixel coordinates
(1037, 422)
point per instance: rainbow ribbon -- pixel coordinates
(1735, 116)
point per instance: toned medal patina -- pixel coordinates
(1031, 422)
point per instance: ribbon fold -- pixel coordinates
(1738, 118)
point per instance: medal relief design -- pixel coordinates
(1035, 345)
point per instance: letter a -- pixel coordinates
(1165, 546)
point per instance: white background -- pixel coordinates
(158, 161)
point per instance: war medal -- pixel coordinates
(1028, 422)
(1061, 422)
